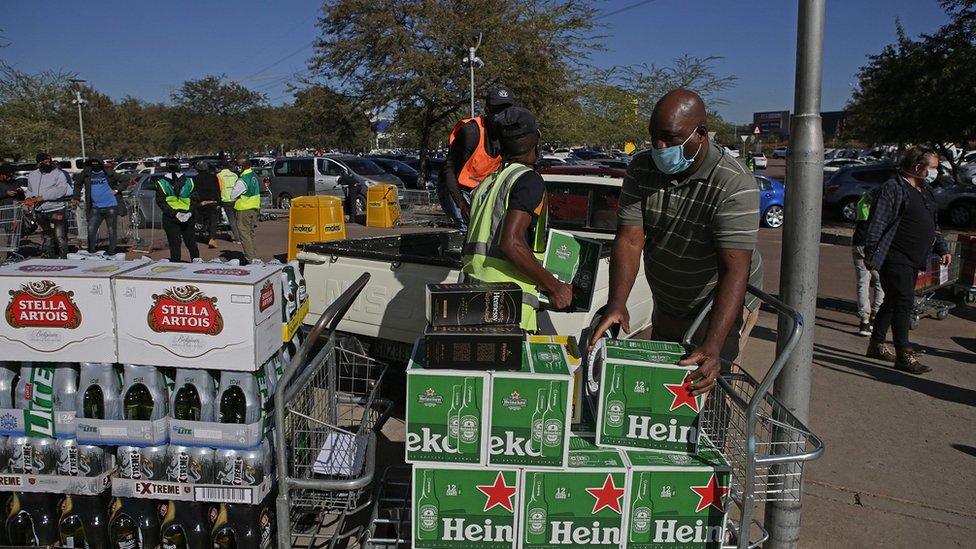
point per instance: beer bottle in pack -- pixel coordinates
(537, 513)
(615, 404)
(31, 519)
(193, 397)
(98, 392)
(238, 526)
(239, 398)
(537, 420)
(453, 418)
(8, 377)
(65, 387)
(554, 423)
(185, 525)
(83, 521)
(469, 423)
(641, 511)
(134, 523)
(21, 391)
(428, 509)
(144, 395)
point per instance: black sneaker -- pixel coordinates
(865, 328)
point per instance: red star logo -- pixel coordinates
(498, 493)
(515, 395)
(711, 494)
(682, 395)
(606, 496)
(429, 391)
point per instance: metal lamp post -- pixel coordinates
(81, 123)
(473, 61)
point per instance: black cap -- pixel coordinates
(515, 121)
(41, 157)
(7, 169)
(94, 163)
(499, 97)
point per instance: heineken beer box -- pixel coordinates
(575, 261)
(584, 505)
(530, 410)
(193, 315)
(474, 304)
(475, 347)
(677, 500)
(645, 401)
(455, 507)
(446, 413)
(59, 310)
(572, 350)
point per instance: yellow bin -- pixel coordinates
(382, 206)
(314, 219)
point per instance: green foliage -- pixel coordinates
(32, 108)
(921, 91)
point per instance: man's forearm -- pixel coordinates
(519, 255)
(624, 263)
(730, 294)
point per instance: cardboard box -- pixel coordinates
(199, 315)
(474, 347)
(474, 304)
(571, 348)
(59, 310)
(574, 260)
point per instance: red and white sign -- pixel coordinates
(59, 310)
(193, 316)
(756, 130)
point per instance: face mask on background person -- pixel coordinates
(931, 174)
(45, 167)
(671, 160)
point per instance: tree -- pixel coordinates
(213, 112)
(32, 113)
(328, 119)
(921, 91)
(404, 56)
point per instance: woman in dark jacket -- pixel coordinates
(176, 199)
(102, 201)
(208, 191)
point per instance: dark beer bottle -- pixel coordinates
(186, 404)
(93, 402)
(83, 521)
(233, 405)
(32, 519)
(239, 526)
(134, 523)
(138, 403)
(185, 526)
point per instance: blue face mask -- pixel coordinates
(671, 160)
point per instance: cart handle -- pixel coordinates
(784, 353)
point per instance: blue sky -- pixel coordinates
(145, 48)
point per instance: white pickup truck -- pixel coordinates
(389, 314)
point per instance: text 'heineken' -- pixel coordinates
(645, 404)
(457, 508)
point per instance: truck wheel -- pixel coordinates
(284, 201)
(969, 298)
(848, 210)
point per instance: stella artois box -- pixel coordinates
(584, 505)
(644, 399)
(454, 507)
(531, 409)
(59, 310)
(573, 356)
(677, 500)
(446, 413)
(193, 315)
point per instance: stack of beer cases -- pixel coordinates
(192, 443)
(967, 256)
(495, 463)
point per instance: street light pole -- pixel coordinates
(81, 123)
(801, 246)
(472, 61)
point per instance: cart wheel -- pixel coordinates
(914, 322)
(969, 298)
(942, 314)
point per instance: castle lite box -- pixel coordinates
(194, 314)
(59, 310)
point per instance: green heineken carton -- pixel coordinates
(677, 500)
(445, 413)
(581, 506)
(573, 260)
(454, 507)
(531, 410)
(644, 399)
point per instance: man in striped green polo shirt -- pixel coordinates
(694, 211)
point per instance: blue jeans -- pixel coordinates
(451, 208)
(95, 217)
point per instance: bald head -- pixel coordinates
(680, 111)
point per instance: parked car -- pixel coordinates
(957, 204)
(610, 162)
(759, 160)
(731, 151)
(585, 154)
(307, 176)
(844, 188)
(771, 196)
(561, 153)
(779, 152)
(548, 161)
(71, 165)
(602, 171)
(834, 164)
(129, 166)
(370, 171)
(145, 213)
(409, 176)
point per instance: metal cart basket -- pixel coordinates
(934, 278)
(326, 412)
(11, 221)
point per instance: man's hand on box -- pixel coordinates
(709, 366)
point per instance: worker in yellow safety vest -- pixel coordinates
(247, 205)
(176, 199)
(507, 231)
(227, 179)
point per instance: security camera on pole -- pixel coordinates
(473, 61)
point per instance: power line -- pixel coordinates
(279, 61)
(623, 9)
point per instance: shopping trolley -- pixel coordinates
(326, 414)
(933, 278)
(11, 224)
